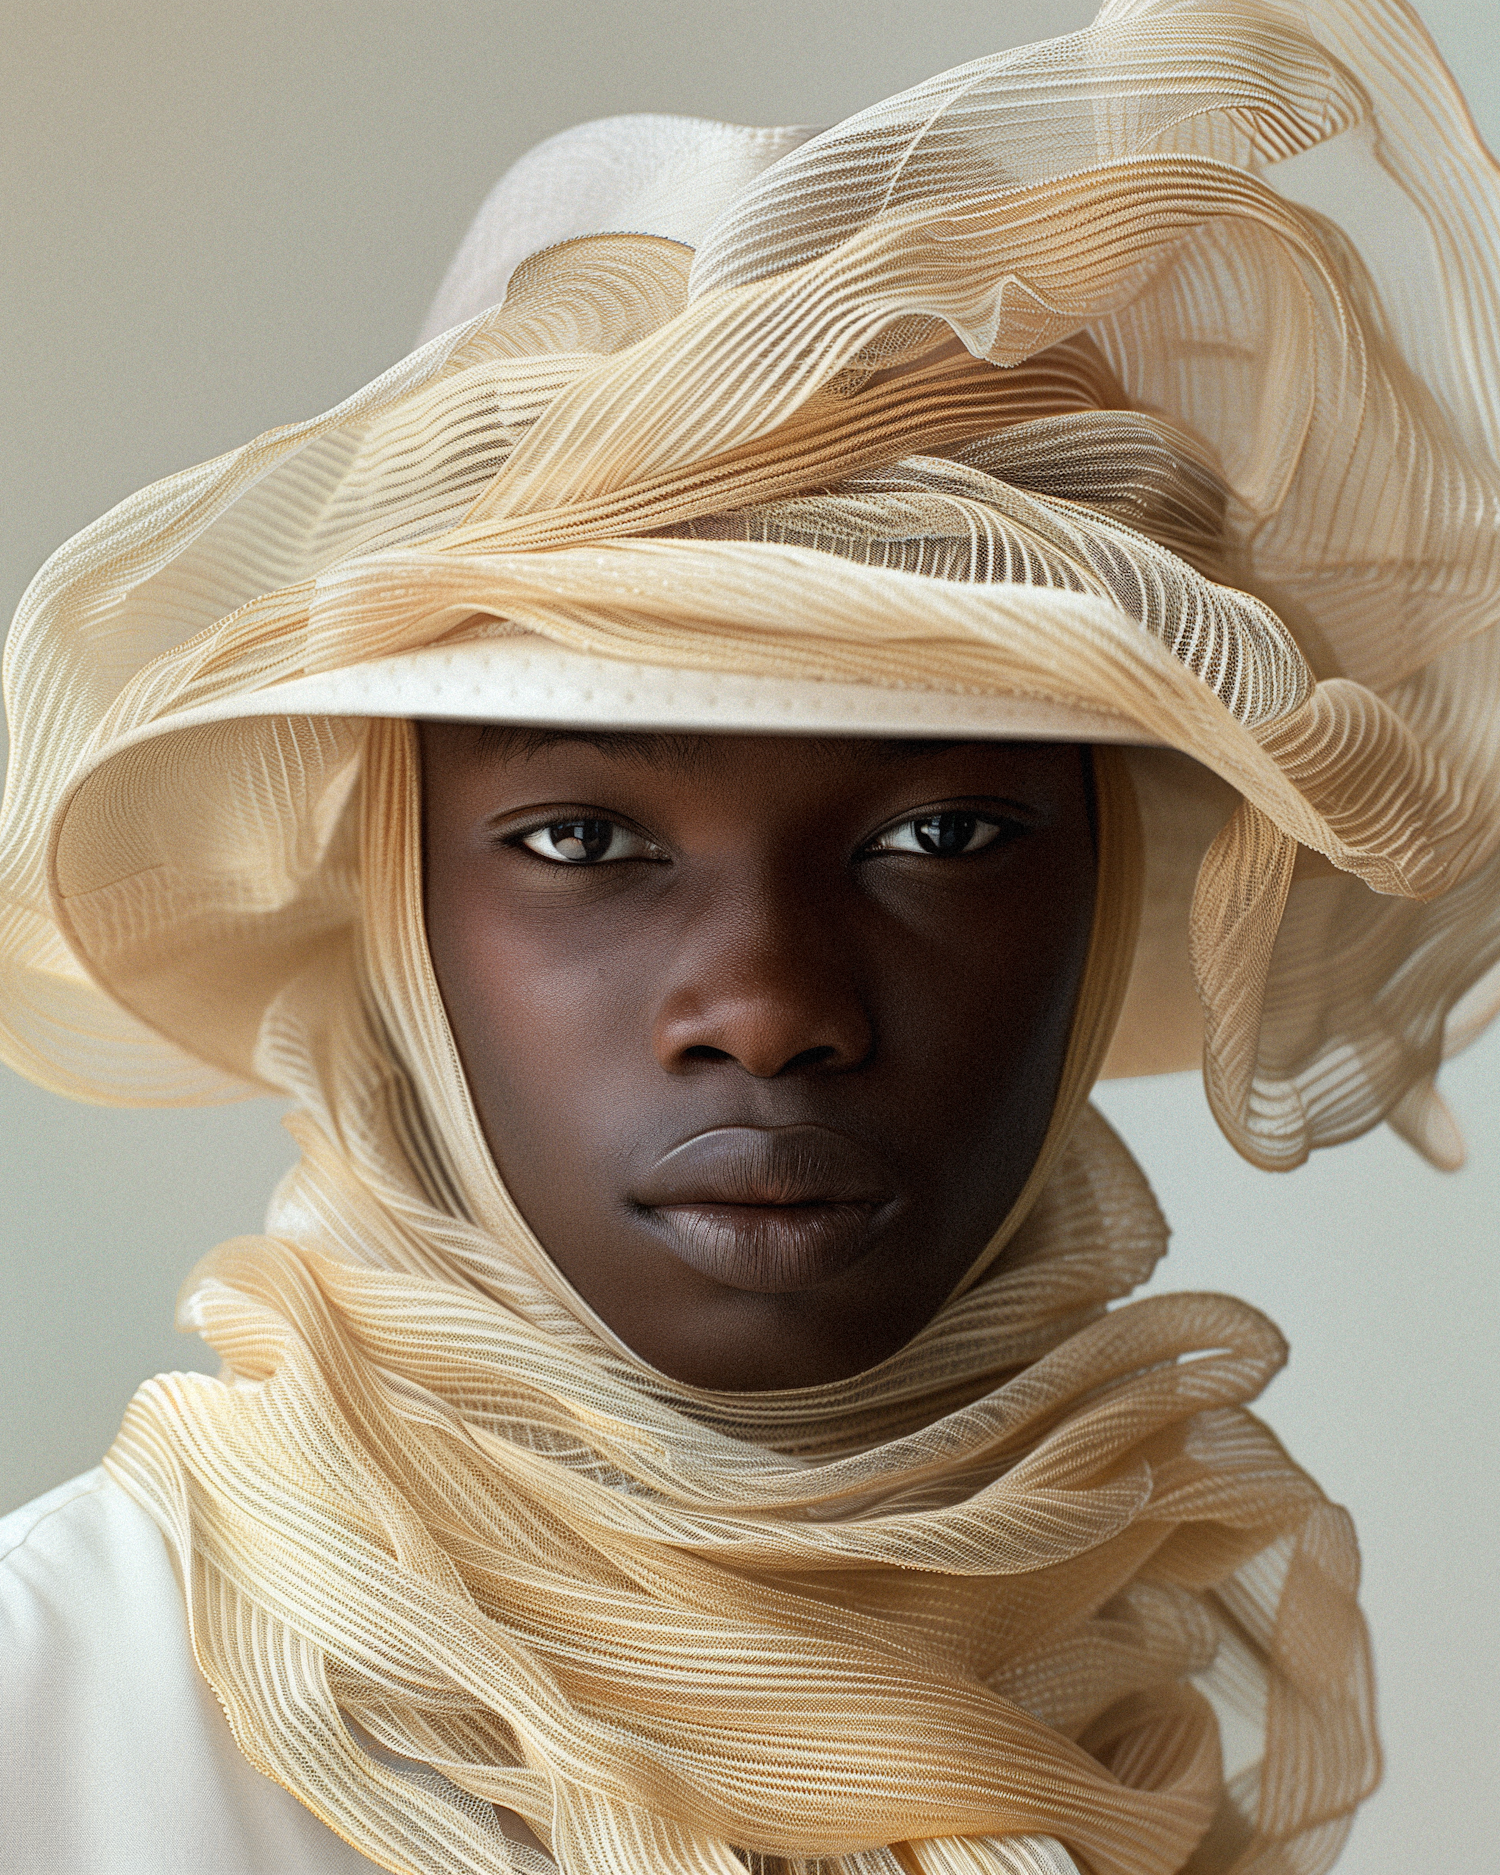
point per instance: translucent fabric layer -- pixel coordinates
(1147, 377)
(1232, 480)
(1037, 1592)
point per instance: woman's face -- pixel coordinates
(763, 1032)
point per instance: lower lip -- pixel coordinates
(768, 1247)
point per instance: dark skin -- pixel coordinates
(763, 1032)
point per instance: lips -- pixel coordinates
(767, 1208)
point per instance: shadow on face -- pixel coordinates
(763, 1032)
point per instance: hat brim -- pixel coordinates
(529, 681)
(191, 894)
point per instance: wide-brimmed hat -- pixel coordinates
(1024, 404)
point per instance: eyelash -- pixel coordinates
(585, 829)
(932, 837)
(929, 836)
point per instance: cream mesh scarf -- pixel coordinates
(1031, 391)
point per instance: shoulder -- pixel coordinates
(79, 1567)
(89, 1605)
(116, 1759)
(18, 1527)
(76, 1537)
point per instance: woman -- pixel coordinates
(674, 1419)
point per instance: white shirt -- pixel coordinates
(115, 1758)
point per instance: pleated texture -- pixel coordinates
(1233, 481)
(1151, 373)
(1036, 1593)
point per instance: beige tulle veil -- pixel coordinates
(1137, 388)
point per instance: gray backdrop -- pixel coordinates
(219, 217)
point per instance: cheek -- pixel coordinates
(539, 1028)
(980, 983)
(977, 1018)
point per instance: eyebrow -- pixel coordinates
(644, 747)
(657, 749)
(895, 748)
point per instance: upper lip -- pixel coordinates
(765, 1165)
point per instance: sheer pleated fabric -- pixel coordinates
(1036, 1593)
(1151, 374)
(1233, 481)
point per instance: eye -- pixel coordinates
(586, 841)
(950, 834)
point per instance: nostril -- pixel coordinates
(809, 1058)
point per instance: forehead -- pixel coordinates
(478, 769)
(499, 744)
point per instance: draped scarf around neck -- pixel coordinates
(1039, 1579)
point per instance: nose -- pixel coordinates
(767, 982)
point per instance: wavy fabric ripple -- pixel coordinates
(992, 1605)
(1053, 382)
(1080, 386)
